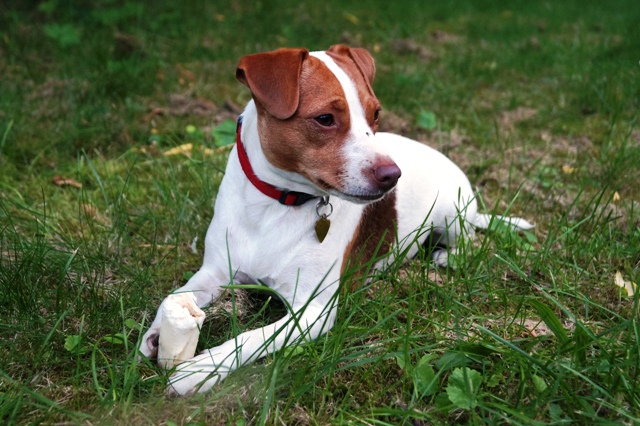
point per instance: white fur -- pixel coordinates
(253, 238)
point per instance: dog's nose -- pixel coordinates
(386, 176)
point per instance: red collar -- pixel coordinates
(288, 198)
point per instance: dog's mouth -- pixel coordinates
(362, 197)
(359, 196)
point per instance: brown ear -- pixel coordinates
(360, 56)
(274, 79)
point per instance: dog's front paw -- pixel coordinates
(199, 374)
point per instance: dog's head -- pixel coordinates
(318, 115)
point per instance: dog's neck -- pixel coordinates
(263, 169)
(282, 195)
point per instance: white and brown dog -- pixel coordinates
(309, 185)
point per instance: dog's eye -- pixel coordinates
(376, 115)
(325, 120)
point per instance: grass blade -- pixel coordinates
(551, 320)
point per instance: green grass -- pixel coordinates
(537, 101)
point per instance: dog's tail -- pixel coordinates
(484, 220)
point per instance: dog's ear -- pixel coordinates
(274, 79)
(361, 57)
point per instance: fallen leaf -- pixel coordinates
(62, 181)
(534, 43)
(126, 45)
(184, 149)
(233, 107)
(436, 278)
(160, 75)
(444, 37)
(207, 151)
(510, 118)
(151, 149)
(351, 18)
(410, 46)
(159, 246)
(185, 73)
(182, 105)
(187, 149)
(629, 286)
(536, 327)
(93, 213)
(391, 122)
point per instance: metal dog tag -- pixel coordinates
(322, 227)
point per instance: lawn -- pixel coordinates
(116, 119)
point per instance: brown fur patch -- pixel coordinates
(301, 145)
(273, 78)
(374, 236)
(370, 103)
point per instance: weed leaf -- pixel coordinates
(292, 351)
(493, 381)
(72, 343)
(539, 383)
(556, 414)
(401, 359)
(131, 323)
(117, 339)
(224, 133)
(530, 236)
(426, 120)
(451, 360)
(424, 379)
(463, 387)
(64, 34)
(442, 402)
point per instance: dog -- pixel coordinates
(309, 185)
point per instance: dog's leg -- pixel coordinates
(456, 232)
(461, 228)
(204, 286)
(213, 365)
(482, 221)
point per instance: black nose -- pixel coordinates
(386, 176)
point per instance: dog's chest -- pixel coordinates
(278, 244)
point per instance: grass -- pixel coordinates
(538, 102)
